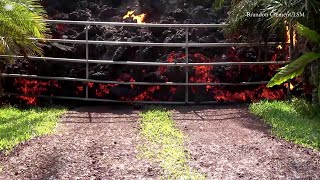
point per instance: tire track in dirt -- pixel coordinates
(227, 142)
(90, 143)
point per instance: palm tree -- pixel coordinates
(260, 27)
(20, 20)
(263, 27)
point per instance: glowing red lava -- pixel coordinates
(197, 74)
(34, 87)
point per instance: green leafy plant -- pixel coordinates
(19, 21)
(260, 28)
(297, 67)
(296, 121)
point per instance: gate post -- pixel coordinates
(87, 59)
(187, 67)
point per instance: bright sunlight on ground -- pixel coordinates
(165, 145)
(17, 125)
(296, 121)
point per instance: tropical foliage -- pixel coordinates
(266, 26)
(296, 120)
(20, 20)
(297, 67)
(273, 17)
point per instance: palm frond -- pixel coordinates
(218, 4)
(239, 22)
(3, 46)
(238, 15)
(20, 20)
(282, 7)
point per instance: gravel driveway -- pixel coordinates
(91, 143)
(225, 142)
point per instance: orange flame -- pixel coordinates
(288, 37)
(139, 18)
(279, 47)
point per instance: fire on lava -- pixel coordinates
(139, 18)
(288, 37)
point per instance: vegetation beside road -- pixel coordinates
(297, 121)
(17, 126)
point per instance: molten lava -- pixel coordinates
(147, 95)
(34, 87)
(197, 74)
(139, 18)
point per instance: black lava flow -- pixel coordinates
(157, 11)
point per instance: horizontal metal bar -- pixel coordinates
(118, 43)
(96, 99)
(136, 24)
(229, 63)
(230, 44)
(122, 43)
(132, 83)
(112, 43)
(109, 100)
(146, 63)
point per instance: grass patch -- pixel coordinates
(164, 144)
(296, 121)
(18, 126)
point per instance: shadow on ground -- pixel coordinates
(225, 142)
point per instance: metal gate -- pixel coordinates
(186, 45)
